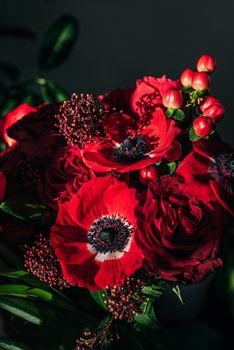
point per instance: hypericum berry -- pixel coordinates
(209, 100)
(148, 174)
(172, 99)
(201, 81)
(186, 77)
(203, 126)
(214, 111)
(206, 63)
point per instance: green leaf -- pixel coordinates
(11, 345)
(23, 206)
(152, 291)
(97, 296)
(58, 42)
(177, 291)
(172, 167)
(51, 92)
(21, 290)
(179, 115)
(192, 135)
(21, 308)
(169, 112)
(147, 318)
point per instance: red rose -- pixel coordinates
(179, 235)
(35, 132)
(208, 173)
(131, 146)
(94, 234)
(66, 168)
(11, 118)
(148, 93)
(2, 186)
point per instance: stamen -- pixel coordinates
(131, 149)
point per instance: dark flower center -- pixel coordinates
(109, 234)
(131, 149)
(225, 165)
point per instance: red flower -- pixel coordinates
(179, 235)
(148, 94)
(11, 118)
(131, 146)
(67, 167)
(94, 235)
(2, 186)
(118, 99)
(208, 173)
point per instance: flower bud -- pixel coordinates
(201, 81)
(206, 63)
(209, 100)
(203, 126)
(186, 77)
(148, 174)
(172, 99)
(214, 111)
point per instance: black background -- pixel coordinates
(121, 40)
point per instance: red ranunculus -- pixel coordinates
(67, 167)
(208, 173)
(131, 146)
(11, 118)
(94, 234)
(2, 186)
(148, 93)
(179, 235)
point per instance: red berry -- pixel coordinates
(148, 174)
(203, 126)
(209, 100)
(201, 81)
(214, 111)
(172, 99)
(206, 63)
(187, 77)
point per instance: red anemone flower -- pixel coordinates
(94, 235)
(132, 146)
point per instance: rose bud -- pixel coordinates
(214, 111)
(209, 100)
(148, 174)
(201, 81)
(172, 99)
(206, 63)
(203, 126)
(187, 77)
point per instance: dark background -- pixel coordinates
(121, 40)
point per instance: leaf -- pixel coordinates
(97, 296)
(17, 32)
(23, 206)
(21, 308)
(177, 291)
(58, 42)
(192, 135)
(51, 92)
(169, 112)
(152, 291)
(172, 167)
(11, 345)
(10, 70)
(179, 115)
(147, 318)
(21, 290)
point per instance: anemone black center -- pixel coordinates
(109, 234)
(225, 165)
(131, 149)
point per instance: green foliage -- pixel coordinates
(51, 92)
(11, 345)
(192, 135)
(58, 42)
(147, 318)
(97, 296)
(179, 115)
(172, 167)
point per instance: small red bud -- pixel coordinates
(201, 81)
(172, 99)
(206, 63)
(209, 100)
(148, 174)
(203, 126)
(186, 77)
(214, 111)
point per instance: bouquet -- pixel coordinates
(105, 199)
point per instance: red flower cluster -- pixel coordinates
(135, 178)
